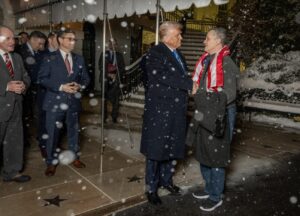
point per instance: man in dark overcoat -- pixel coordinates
(164, 123)
(219, 73)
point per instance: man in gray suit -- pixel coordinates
(14, 81)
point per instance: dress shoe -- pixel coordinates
(173, 189)
(153, 198)
(50, 171)
(18, 178)
(78, 164)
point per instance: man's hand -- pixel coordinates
(17, 87)
(71, 88)
(195, 88)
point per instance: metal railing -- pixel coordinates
(233, 45)
(131, 79)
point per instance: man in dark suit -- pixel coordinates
(63, 74)
(164, 126)
(114, 70)
(30, 52)
(52, 46)
(32, 58)
(13, 83)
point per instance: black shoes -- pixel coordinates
(173, 189)
(153, 198)
(18, 178)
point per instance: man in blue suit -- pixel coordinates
(164, 123)
(63, 74)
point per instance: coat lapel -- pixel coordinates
(173, 59)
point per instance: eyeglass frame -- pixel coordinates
(70, 39)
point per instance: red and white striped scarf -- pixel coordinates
(215, 73)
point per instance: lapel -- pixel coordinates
(4, 68)
(62, 64)
(173, 59)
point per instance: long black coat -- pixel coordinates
(166, 98)
(212, 151)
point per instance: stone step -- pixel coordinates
(190, 48)
(193, 44)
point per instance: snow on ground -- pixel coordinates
(276, 79)
(279, 72)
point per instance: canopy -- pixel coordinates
(78, 10)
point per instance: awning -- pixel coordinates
(78, 10)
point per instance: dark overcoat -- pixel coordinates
(164, 123)
(210, 150)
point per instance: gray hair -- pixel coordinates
(165, 26)
(221, 34)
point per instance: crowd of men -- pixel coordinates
(41, 80)
(50, 78)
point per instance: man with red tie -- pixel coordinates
(14, 81)
(63, 74)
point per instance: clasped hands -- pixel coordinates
(71, 88)
(17, 87)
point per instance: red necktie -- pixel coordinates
(68, 65)
(9, 65)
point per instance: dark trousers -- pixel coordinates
(11, 143)
(54, 123)
(158, 173)
(112, 95)
(41, 125)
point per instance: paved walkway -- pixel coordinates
(121, 184)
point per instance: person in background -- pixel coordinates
(114, 70)
(14, 81)
(63, 74)
(32, 58)
(164, 120)
(21, 39)
(219, 73)
(51, 46)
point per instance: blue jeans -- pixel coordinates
(231, 112)
(214, 181)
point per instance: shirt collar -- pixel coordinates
(30, 48)
(2, 53)
(63, 53)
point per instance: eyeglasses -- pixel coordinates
(70, 38)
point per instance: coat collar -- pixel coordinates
(172, 58)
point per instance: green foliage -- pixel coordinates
(266, 26)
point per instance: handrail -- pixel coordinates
(129, 67)
(131, 79)
(233, 46)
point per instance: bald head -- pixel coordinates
(7, 40)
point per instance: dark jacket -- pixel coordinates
(8, 100)
(166, 98)
(212, 151)
(53, 74)
(32, 62)
(112, 89)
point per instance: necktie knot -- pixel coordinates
(6, 56)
